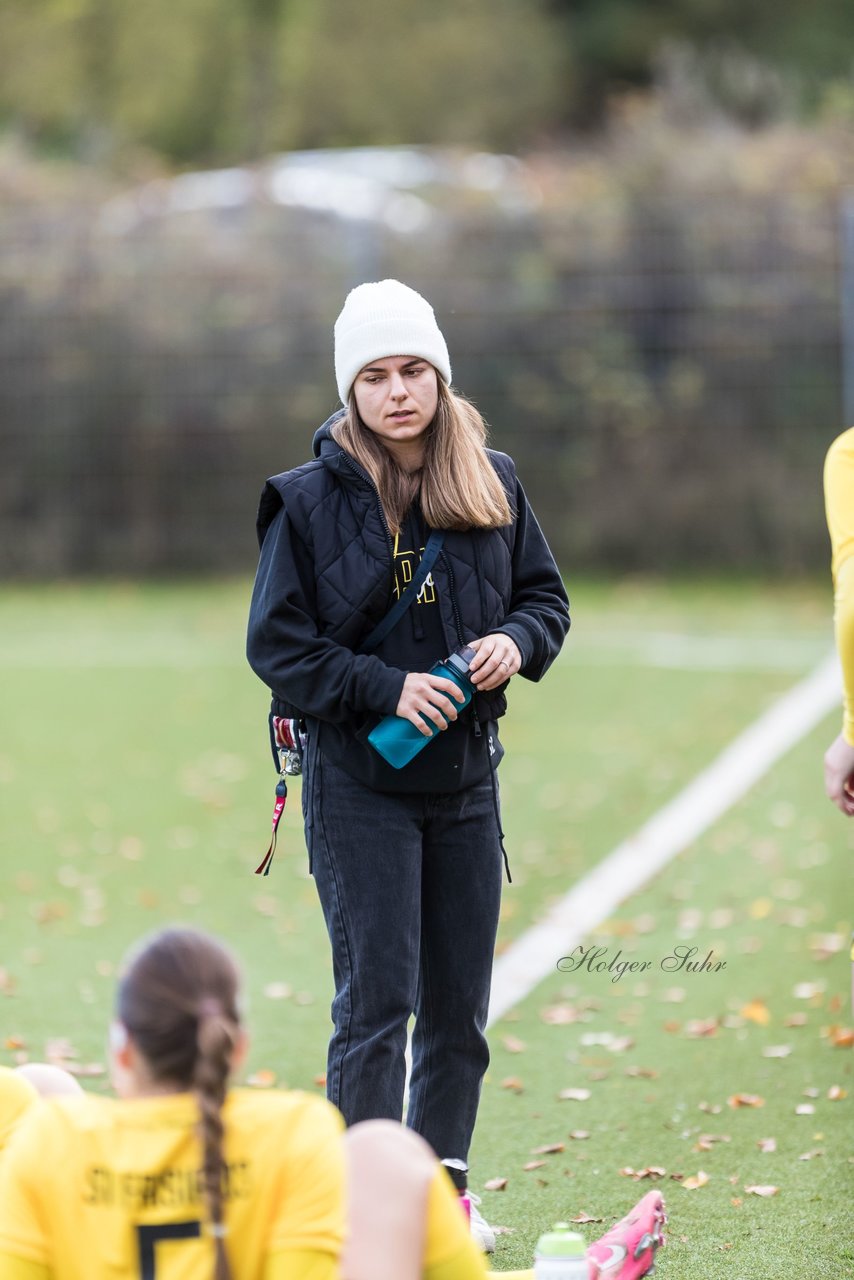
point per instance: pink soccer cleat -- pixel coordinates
(627, 1251)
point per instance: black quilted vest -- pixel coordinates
(336, 511)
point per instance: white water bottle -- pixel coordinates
(561, 1254)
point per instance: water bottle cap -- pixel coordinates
(461, 660)
(561, 1242)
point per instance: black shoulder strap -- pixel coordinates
(405, 599)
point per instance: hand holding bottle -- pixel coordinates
(498, 658)
(426, 697)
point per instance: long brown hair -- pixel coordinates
(458, 486)
(178, 1001)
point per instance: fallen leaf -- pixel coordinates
(502, 1231)
(762, 1191)
(810, 1155)
(736, 1202)
(836, 1093)
(574, 1095)
(579, 1135)
(550, 1149)
(495, 1184)
(560, 1015)
(263, 1079)
(808, 990)
(756, 1011)
(805, 1109)
(513, 1044)
(842, 1037)
(812, 1092)
(277, 991)
(14, 1042)
(761, 908)
(699, 1027)
(59, 1052)
(745, 1100)
(672, 1026)
(721, 918)
(825, 945)
(711, 1109)
(513, 1083)
(795, 1020)
(776, 1051)
(645, 1073)
(585, 1217)
(706, 1141)
(533, 1164)
(767, 1145)
(320, 1080)
(699, 1179)
(674, 995)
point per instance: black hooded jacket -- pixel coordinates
(325, 580)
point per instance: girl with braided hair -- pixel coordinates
(184, 1177)
(181, 1177)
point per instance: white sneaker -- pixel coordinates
(481, 1230)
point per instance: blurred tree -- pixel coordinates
(264, 19)
(616, 41)
(212, 81)
(477, 72)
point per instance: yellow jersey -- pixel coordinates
(839, 506)
(94, 1187)
(17, 1095)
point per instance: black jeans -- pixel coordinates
(410, 887)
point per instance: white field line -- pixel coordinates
(534, 955)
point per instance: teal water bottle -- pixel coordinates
(561, 1254)
(397, 739)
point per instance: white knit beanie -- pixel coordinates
(383, 319)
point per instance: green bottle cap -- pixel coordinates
(561, 1242)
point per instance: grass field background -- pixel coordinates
(136, 788)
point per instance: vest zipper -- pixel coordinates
(354, 466)
(458, 622)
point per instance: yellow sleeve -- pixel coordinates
(839, 506)
(17, 1269)
(21, 1231)
(843, 615)
(17, 1095)
(290, 1264)
(311, 1215)
(449, 1251)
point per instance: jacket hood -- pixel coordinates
(333, 456)
(322, 445)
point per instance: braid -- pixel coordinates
(178, 1001)
(216, 1039)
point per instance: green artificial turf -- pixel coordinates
(768, 892)
(136, 788)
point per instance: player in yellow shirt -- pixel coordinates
(183, 1178)
(179, 1178)
(839, 505)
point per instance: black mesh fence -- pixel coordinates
(666, 375)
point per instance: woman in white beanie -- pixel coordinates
(407, 861)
